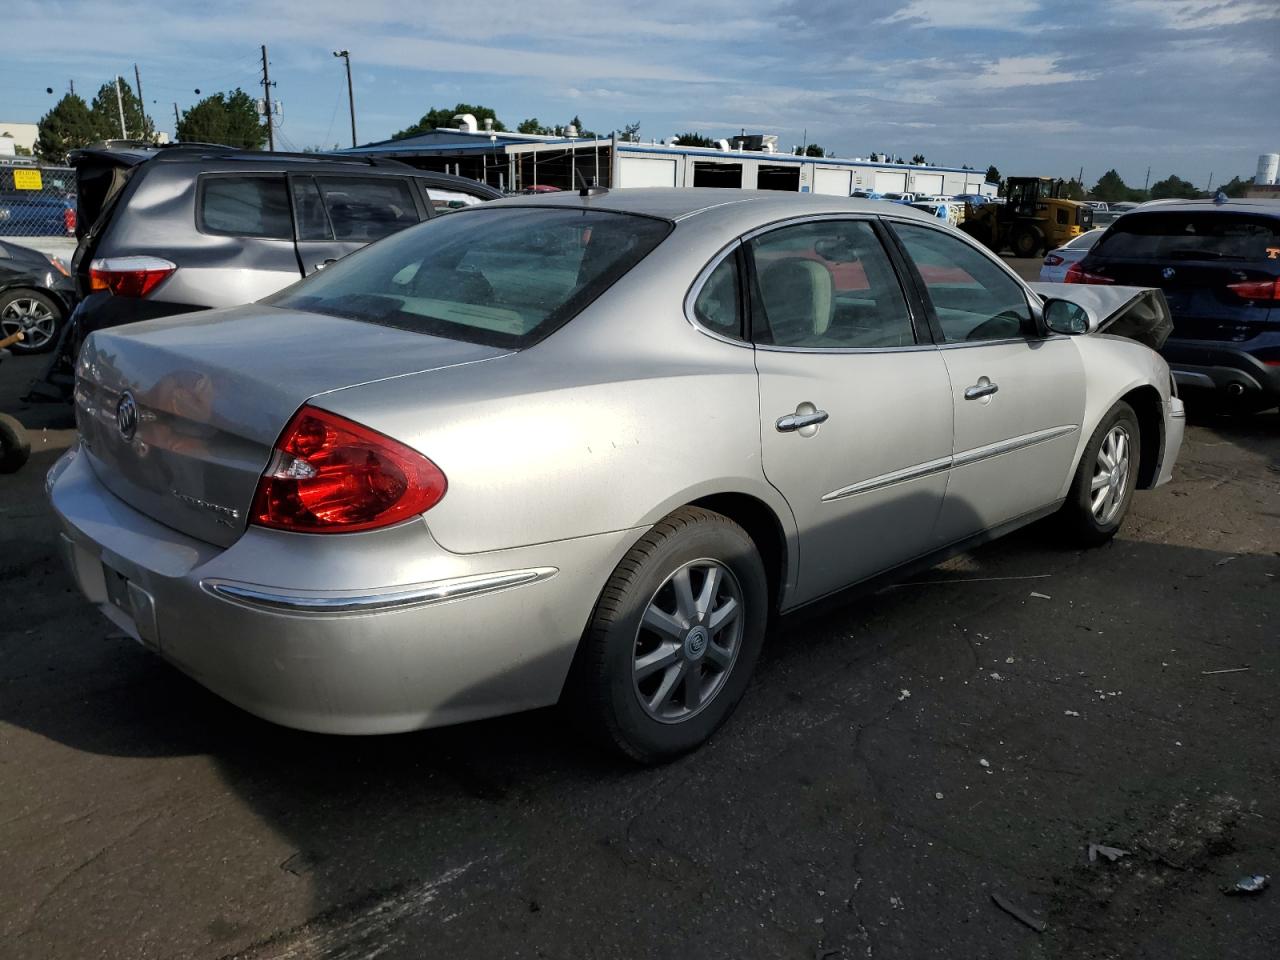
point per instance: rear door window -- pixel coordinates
(367, 208)
(1194, 235)
(254, 206)
(308, 205)
(446, 201)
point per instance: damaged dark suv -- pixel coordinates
(1218, 263)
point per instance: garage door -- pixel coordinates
(929, 184)
(645, 172)
(834, 183)
(890, 182)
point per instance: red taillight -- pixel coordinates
(1256, 289)
(330, 475)
(129, 276)
(1052, 260)
(1077, 274)
(69, 219)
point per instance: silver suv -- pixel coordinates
(173, 229)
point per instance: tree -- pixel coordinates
(227, 118)
(918, 159)
(1236, 186)
(1110, 187)
(993, 174)
(631, 131)
(693, 139)
(1173, 186)
(106, 113)
(66, 127)
(443, 117)
(811, 150)
(1073, 189)
(532, 125)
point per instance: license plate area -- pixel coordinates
(136, 607)
(117, 590)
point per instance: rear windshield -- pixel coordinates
(1202, 235)
(501, 276)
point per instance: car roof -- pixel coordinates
(748, 207)
(1263, 205)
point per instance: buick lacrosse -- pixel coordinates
(583, 447)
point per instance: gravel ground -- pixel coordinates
(898, 761)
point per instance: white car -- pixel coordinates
(1059, 260)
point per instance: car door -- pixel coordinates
(336, 215)
(855, 411)
(1017, 395)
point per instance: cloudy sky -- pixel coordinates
(1185, 86)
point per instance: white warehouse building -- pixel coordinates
(515, 162)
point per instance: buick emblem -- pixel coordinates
(127, 416)
(1168, 273)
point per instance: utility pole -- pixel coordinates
(351, 97)
(124, 134)
(73, 87)
(1209, 188)
(1147, 182)
(176, 120)
(266, 100)
(142, 104)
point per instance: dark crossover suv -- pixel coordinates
(1218, 263)
(172, 229)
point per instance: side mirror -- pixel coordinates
(1063, 316)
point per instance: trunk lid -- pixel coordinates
(178, 416)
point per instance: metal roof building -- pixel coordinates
(514, 162)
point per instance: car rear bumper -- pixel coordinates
(1211, 365)
(273, 625)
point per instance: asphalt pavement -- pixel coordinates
(897, 761)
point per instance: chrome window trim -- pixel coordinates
(963, 459)
(438, 591)
(695, 290)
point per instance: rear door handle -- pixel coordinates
(804, 421)
(983, 388)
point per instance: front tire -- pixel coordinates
(673, 638)
(1025, 242)
(1104, 482)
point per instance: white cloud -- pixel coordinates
(965, 14)
(1028, 71)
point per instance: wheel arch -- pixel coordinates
(1148, 405)
(764, 528)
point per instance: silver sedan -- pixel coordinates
(581, 447)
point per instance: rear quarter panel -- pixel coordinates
(610, 423)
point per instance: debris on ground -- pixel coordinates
(1247, 886)
(1041, 596)
(1071, 713)
(1223, 562)
(903, 694)
(984, 762)
(1113, 854)
(1210, 673)
(1018, 913)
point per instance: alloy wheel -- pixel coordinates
(36, 321)
(688, 641)
(1110, 475)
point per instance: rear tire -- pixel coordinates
(673, 638)
(1104, 482)
(14, 446)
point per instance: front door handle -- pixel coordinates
(804, 421)
(983, 388)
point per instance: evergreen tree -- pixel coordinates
(106, 113)
(993, 174)
(68, 126)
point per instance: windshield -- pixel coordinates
(506, 277)
(1195, 235)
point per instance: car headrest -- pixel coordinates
(798, 298)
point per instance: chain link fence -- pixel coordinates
(37, 201)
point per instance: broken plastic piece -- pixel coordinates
(1041, 596)
(1018, 913)
(1113, 854)
(1247, 886)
